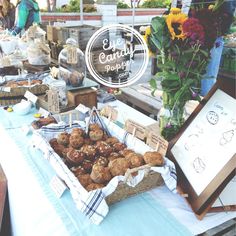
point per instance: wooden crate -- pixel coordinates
(87, 97)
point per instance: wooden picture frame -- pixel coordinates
(201, 199)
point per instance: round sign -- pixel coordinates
(116, 55)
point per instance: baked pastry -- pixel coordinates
(53, 142)
(100, 174)
(94, 127)
(89, 151)
(101, 161)
(88, 141)
(37, 124)
(113, 156)
(76, 141)
(96, 135)
(103, 148)
(63, 138)
(59, 148)
(125, 152)
(118, 147)
(65, 151)
(94, 186)
(75, 157)
(134, 159)
(77, 131)
(118, 166)
(112, 140)
(153, 158)
(79, 170)
(85, 180)
(87, 165)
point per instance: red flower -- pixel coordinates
(194, 31)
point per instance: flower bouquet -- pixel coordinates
(182, 44)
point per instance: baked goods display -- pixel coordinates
(15, 84)
(37, 124)
(95, 159)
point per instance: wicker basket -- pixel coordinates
(123, 191)
(16, 94)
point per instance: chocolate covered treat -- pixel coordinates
(89, 151)
(153, 158)
(75, 157)
(126, 152)
(87, 165)
(118, 147)
(112, 140)
(101, 161)
(79, 170)
(114, 155)
(103, 149)
(100, 174)
(118, 166)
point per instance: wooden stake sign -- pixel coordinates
(135, 129)
(53, 101)
(158, 143)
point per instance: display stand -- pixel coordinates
(199, 148)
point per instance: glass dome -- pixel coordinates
(72, 66)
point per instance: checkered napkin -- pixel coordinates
(93, 203)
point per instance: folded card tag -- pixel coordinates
(31, 97)
(57, 186)
(82, 108)
(158, 143)
(109, 112)
(135, 129)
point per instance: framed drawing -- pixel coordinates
(205, 150)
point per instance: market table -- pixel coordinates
(35, 209)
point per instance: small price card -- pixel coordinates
(53, 101)
(31, 97)
(109, 112)
(136, 129)
(82, 108)
(72, 57)
(158, 143)
(5, 89)
(43, 112)
(57, 186)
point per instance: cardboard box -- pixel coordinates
(87, 97)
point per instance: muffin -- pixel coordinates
(88, 141)
(153, 158)
(59, 148)
(113, 156)
(125, 152)
(135, 160)
(112, 140)
(117, 147)
(53, 142)
(94, 127)
(78, 131)
(75, 157)
(89, 151)
(94, 186)
(118, 166)
(96, 135)
(85, 180)
(101, 161)
(100, 174)
(76, 141)
(87, 165)
(103, 149)
(63, 138)
(79, 170)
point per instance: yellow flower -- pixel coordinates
(146, 37)
(210, 7)
(176, 17)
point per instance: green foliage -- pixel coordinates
(122, 5)
(74, 6)
(156, 3)
(90, 8)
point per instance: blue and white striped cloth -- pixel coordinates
(93, 203)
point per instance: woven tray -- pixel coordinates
(123, 191)
(16, 94)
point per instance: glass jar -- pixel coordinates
(72, 66)
(60, 87)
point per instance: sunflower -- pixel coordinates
(175, 22)
(146, 37)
